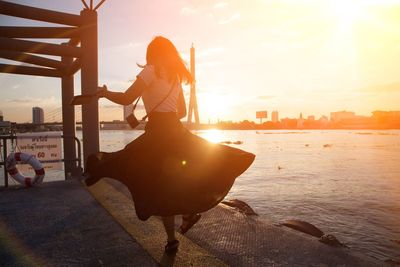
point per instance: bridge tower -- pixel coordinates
(193, 99)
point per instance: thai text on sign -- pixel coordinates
(45, 146)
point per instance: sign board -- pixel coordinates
(261, 114)
(45, 146)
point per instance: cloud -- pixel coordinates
(112, 106)
(124, 46)
(209, 52)
(265, 97)
(17, 101)
(221, 5)
(208, 64)
(231, 19)
(384, 88)
(43, 102)
(186, 11)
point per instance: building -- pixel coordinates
(324, 121)
(386, 119)
(386, 115)
(5, 126)
(288, 123)
(275, 116)
(127, 111)
(37, 115)
(300, 122)
(342, 116)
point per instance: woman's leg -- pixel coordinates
(188, 220)
(169, 225)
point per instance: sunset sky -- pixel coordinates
(292, 56)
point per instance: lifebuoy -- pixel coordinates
(11, 166)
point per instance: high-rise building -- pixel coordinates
(127, 111)
(275, 116)
(1, 116)
(300, 121)
(37, 115)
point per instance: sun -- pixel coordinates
(214, 106)
(347, 12)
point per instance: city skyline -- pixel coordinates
(40, 116)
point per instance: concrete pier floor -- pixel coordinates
(67, 224)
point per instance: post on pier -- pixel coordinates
(89, 82)
(68, 120)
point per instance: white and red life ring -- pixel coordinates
(11, 166)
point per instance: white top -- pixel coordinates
(157, 89)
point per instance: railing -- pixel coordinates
(4, 139)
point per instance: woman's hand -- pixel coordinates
(102, 91)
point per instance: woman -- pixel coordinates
(168, 170)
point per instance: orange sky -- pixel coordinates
(293, 56)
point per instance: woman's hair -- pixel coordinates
(162, 54)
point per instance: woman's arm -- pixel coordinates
(181, 105)
(126, 98)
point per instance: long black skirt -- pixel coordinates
(169, 170)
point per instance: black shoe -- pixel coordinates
(171, 247)
(90, 180)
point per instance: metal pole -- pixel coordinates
(68, 120)
(89, 82)
(5, 158)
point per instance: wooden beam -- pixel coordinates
(74, 41)
(34, 13)
(39, 47)
(32, 59)
(98, 5)
(84, 3)
(68, 121)
(39, 32)
(89, 83)
(25, 70)
(73, 67)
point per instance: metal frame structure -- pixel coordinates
(79, 52)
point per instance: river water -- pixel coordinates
(347, 183)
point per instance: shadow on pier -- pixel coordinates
(65, 223)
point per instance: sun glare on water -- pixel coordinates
(214, 136)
